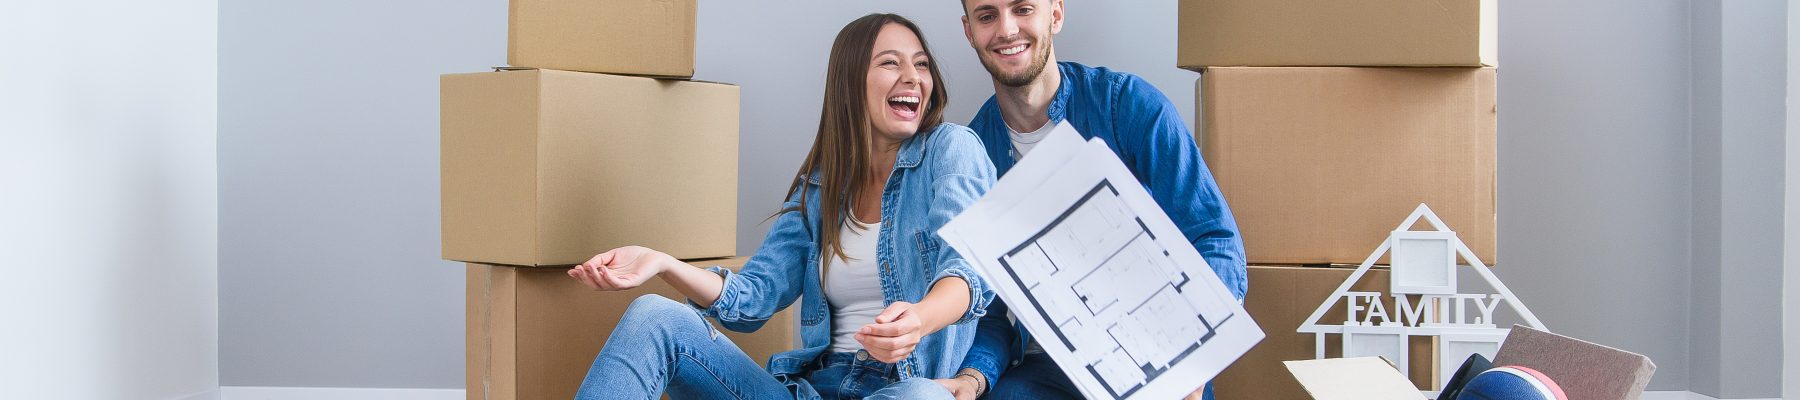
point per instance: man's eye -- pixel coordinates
(1023, 10)
(985, 18)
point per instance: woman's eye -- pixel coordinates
(885, 63)
(922, 64)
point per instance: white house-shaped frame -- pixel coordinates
(1423, 267)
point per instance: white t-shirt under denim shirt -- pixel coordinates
(1021, 144)
(853, 287)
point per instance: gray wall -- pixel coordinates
(108, 200)
(1613, 214)
(1594, 172)
(328, 190)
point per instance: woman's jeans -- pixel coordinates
(663, 345)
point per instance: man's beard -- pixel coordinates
(1031, 71)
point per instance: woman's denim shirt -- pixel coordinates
(936, 175)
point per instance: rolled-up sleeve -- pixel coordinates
(770, 281)
(995, 340)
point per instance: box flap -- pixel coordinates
(1361, 378)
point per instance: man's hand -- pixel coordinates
(894, 334)
(964, 387)
(620, 269)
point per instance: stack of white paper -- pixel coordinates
(1099, 274)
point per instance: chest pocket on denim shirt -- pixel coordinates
(927, 245)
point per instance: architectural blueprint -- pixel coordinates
(1100, 276)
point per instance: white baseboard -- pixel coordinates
(1680, 395)
(316, 393)
(209, 394)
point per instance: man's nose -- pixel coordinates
(1009, 26)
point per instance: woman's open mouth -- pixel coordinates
(905, 107)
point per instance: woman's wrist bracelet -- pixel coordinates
(980, 381)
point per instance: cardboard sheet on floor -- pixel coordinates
(1361, 378)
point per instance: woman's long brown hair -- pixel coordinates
(843, 149)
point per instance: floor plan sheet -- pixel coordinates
(1100, 276)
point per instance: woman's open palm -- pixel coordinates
(620, 269)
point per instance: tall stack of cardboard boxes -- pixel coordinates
(592, 139)
(1326, 123)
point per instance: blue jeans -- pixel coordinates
(664, 345)
(1038, 377)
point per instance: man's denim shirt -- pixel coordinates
(936, 175)
(1140, 124)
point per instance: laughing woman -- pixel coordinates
(885, 306)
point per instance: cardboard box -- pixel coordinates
(544, 167)
(1320, 164)
(1215, 33)
(633, 37)
(1280, 298)
(533, 332)
(1583, 369)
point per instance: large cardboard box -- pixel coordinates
(633, 37)
(533, 332)
(1320, 164)
(1280, 298)
(1215, 33)
(544, 167)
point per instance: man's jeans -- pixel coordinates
(661, 344)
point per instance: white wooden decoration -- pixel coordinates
(1426, 302)
(1423, 262)
(1453, 348)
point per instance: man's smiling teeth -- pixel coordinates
(1012, 50)
(904, 99)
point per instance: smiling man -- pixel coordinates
(1032, 93)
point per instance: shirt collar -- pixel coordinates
(912, 150)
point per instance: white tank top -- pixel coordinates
(853, 287)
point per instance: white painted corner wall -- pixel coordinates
(109, 199)
(1790, 242)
